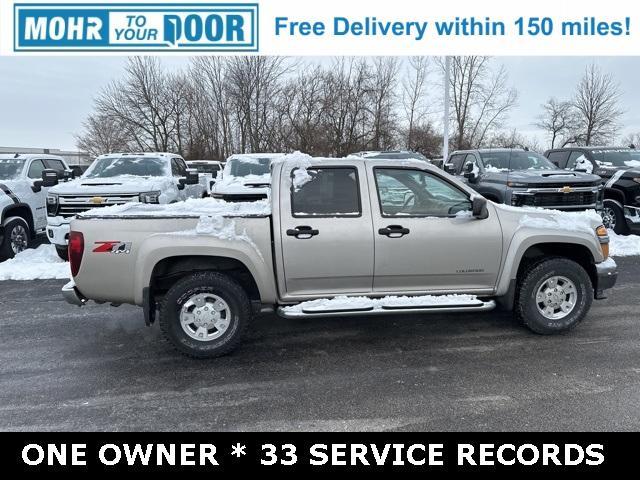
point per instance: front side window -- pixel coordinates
(406, 192)
(329, 192)
(36, 168)
(135, 166)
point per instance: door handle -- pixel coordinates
(394, 231)
(303, 232)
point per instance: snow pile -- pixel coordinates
(35, 264)
(556, 220)
(192, 207)
(623, 246)
(378, 304)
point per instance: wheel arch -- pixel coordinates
(21, 210)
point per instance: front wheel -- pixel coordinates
(63, 252)
(17, 237)
(613, 218)
(554, 296)
(204, 315)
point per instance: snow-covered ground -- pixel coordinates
(622, 246)
(35, 264)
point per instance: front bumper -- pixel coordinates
(58, 232)
(606, 276)
(72, 295)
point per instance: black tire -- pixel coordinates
(15, 225)
(205, 282)
(63, 252)
(613, 218)
(526, 308)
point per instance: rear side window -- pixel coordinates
(330, 192)
(456, 161)
(56, 165)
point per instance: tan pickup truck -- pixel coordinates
(338, 237)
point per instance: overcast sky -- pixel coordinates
(43, 100)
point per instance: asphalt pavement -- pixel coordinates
(99, 368)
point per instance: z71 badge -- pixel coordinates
(113, 247)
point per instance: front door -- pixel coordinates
(327, 242)
(425, 237)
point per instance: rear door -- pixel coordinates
(326, 236)
(425, 237)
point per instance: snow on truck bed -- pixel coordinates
(193, 207)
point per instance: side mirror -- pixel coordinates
(450, 169)
(479, 207)
(469, 174)
(192, 178)
(49, 178)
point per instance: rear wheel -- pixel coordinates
(63, 252)
(613, 217)
(554, 296)
(205, 315)
(17, 237)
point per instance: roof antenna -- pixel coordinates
(632, 146)
(16, 155)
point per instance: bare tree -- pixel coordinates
(102, 135)
(481, 99)
(559, 121)
(413, 97)
(597, 102)
(383, 96)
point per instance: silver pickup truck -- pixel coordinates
(338, 237)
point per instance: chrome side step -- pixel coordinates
(479, 306)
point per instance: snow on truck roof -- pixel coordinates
(139, 154)
(28, 156)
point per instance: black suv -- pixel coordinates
(523, 178)
(620, 172)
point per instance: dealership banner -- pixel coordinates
(330, 27)
(269, 453)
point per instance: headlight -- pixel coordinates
(603, 238)
(637, 179)
(52, 205)
(516, 185)
(150, 197)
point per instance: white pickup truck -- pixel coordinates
(115, 179)
(23, 195)
(338, 237)
(245, 178)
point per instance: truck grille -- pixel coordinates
(571, 200)
(70, 206)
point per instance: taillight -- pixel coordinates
(76, 249)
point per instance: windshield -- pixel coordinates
(506, 161)
(242, 167)
(617, 158)
(137, 166)
(10, 168)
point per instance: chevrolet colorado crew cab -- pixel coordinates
(23, 194)
(619, 169)
(338, 237)
(115, 179)
(523, 178)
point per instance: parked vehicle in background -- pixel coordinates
(245, 177)
(23, 198)
(78, 170)
(208, 170)
(115, 179)
(523, 178)
(393, 155)
(309, 252)
(620, 172)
